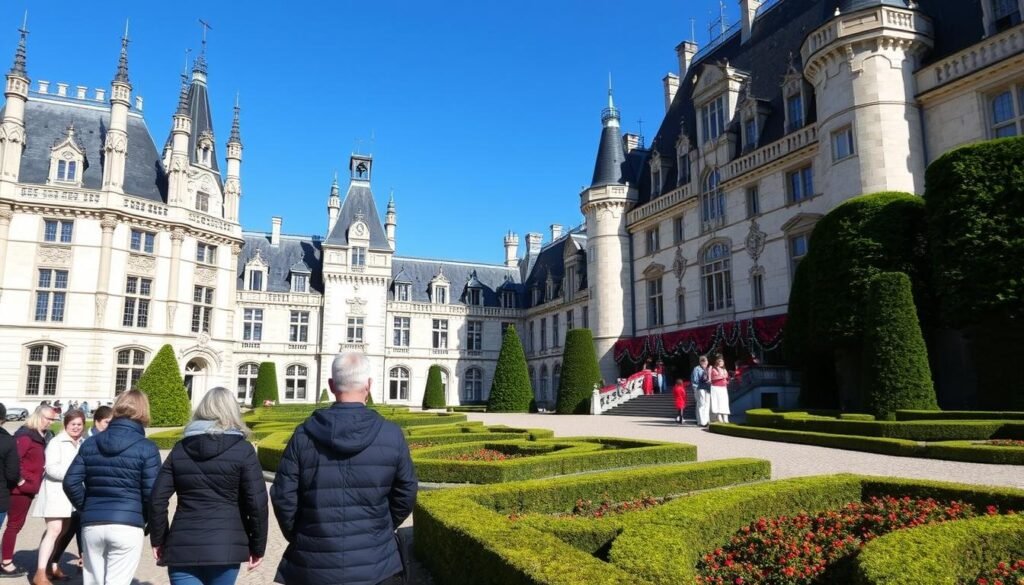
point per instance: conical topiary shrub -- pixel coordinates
(896, 371)
(161, 382)
(323, 396)
(266, 384)
(579, 373)
(510, 390)
(433, 396)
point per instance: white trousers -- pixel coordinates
(703, 407)
(111, 553)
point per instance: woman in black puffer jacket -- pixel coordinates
(221, 519)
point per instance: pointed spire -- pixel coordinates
(611, 112)
(183, 93)
(19, 54)
(391, 202)
(122, 63)
(334, 185)
(236, 136)
(610, 153)
(200, 64)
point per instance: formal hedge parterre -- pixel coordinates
(914, 430)
(433, 436)
(958, 415)
(465, 534)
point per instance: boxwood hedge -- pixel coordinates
(544, 458)
(958, 415)
(914, 430)
(466, 536)
(166, 439)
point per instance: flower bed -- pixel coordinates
(465, 536)
(484, 454)
(1004, 443)
(806, 549)
(1005, 573)
(548, 457)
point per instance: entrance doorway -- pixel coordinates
(195, 378)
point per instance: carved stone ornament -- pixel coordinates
(755, 241)
(141, 263)
(679, 265)
(202, 339)
(357, 306)
(236, 249)
(54, 255)
(101, 307)
(178, 235)
(206, 275)
(172, 308)
(108, 223)
(6, 214)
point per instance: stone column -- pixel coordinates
(236, 251)
(177, 237)
(108, 223)
(5, 223)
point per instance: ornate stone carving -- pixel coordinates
(101, 307)
(755, 241)
(357, 306)
(172, 308)
(141, 263)
(206, 275)
(6, 213)
(202, 339)
(236, 250)
(108, 223)
(679, 265)
(55, 255)
(178, 235)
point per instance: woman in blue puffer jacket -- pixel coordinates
(109, 483)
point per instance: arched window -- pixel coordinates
(43, 370)
(247, 381)
(543, 383)
(712, 201)
(295, 383)
(473, 385)
(556, 378)
(398, 384)
(716, 277)
(130, 365)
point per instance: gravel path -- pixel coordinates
(787, 461)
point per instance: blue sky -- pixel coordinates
(484, 116)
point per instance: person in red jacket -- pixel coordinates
(679, 391)
(32, 455)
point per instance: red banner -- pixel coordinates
(762, 333)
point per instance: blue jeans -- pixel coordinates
(205, 575)
(3, 516)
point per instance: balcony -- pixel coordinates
(995, 49)
(297, 346)
(250, 345)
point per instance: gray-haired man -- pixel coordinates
(344, 485)
(702, 388)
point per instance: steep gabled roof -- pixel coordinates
(282, 259)
(359, 204)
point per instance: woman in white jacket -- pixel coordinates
(51, 503)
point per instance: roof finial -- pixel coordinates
(391, 200)
(122, 63)
(611, 112)
(200, 64)
(183, 95)
(19, 54)
(334, 184)
(236, 135)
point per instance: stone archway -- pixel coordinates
(196, 379)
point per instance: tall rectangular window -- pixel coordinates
(474, 335)
(252, 325)
(255, 280)
(67, 171)
(798, 246)
(842, 144)
(51, 291)
(300, 283)
(677, 230)
(202, 202)
(142, 241)
(508, 299)
(476, 297)
(586, 316)
(543, 333)
(43, 369)
(753, 201)
(795, 112)
(358, 256)
(757, 290)
(137, 292)
(555, 334)
(58, 230)
(800, 184)
(354, 331)
(298, 327)
(1007, 112)
(202, 308)
(570, 322)
(713, 119)
(655, 307)
(1006, 14)
(440, 334)
(440, 294)
(402, 292)
(652, 240)
(749, 134)
(206, 253)
(402, 331)
(680, 307)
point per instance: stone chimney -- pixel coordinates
(748, 10)
(556, 231)
(686, 51)
(630, 142)
(80, 92)
(62, 89)
(511, 249)
(533, 241)
(671, 85)
(44, 86)
(275, 231)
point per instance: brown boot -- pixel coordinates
(40, 578)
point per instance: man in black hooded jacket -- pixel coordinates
(344, 485)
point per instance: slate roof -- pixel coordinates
(551, 261)
(291, 252)
(777, 33)
(202, 121)
(46, 123)
(359, 199)
(421, 271)
(608, 168)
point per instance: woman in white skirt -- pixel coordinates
(52, 504)
(719, 377)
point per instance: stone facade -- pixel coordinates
(112, 247)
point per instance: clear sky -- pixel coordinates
(482, 116)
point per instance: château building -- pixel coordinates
(112, 246)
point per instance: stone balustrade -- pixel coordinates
(971, 60)
(624, 390)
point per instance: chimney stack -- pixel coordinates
(275, 231)
(630, 142)
(556, 231)
(671, 85)
(533, 240)
(748, 11)
(511, 249)
(686, 51)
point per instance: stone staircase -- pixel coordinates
(654, 405)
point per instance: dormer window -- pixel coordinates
(67, 160)
(713, 119)
(358, 257)
(475, 297)
(440, 294)
(67, 171)
(795, 97)
(656, 174)
(255, 280)
(683, 156)
(749, 134)
(300, 283)
(549, 289)
(256, 270)
(508, 299)
(402, 292)
(794, 112)
(537, 296)
(202, 201)
(1005, 14)
(204, 149)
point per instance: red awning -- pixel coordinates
(761, 333)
